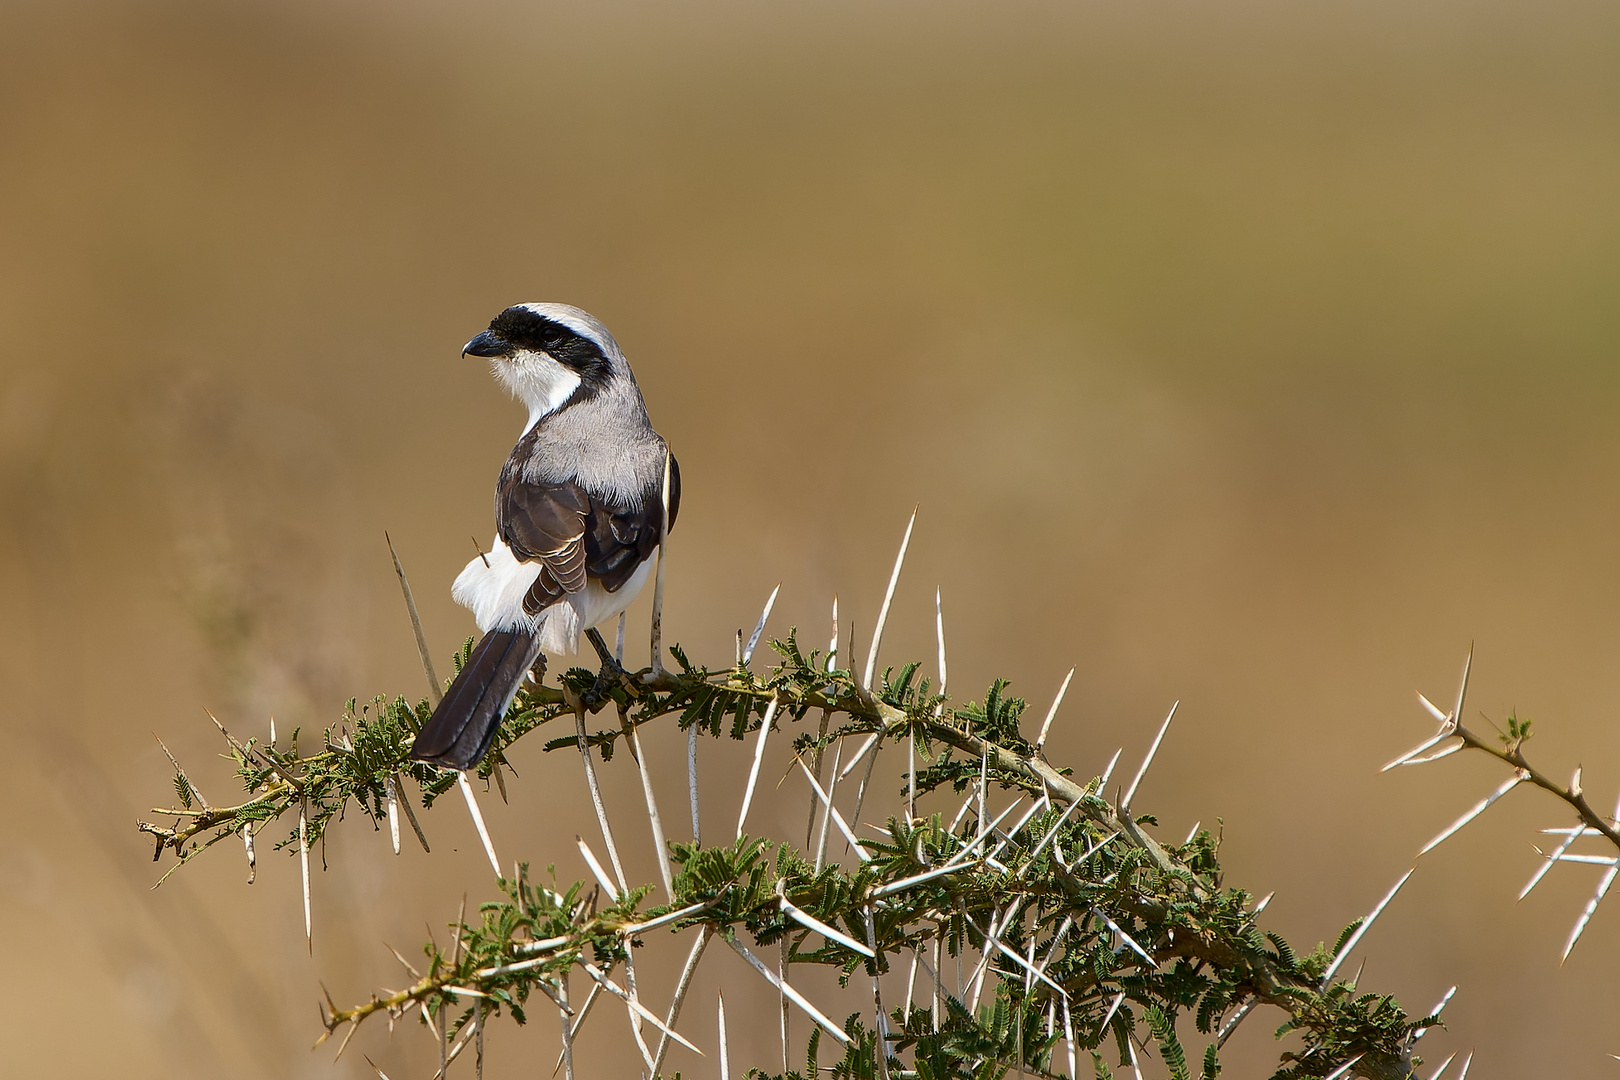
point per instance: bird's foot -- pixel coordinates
(610, 673)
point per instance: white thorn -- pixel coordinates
(613, 988)
(1586, 913)
(1046, 725)
(1479, 808)
(1541, 871)
(838, 819)
(1050, 833)
(992, 937)
(393, 812)
(692, 781)
(1068, 1039)
(1125, 804)
(1416, 750)
(939, 633)
(984, 834)
(1434, 710)
(582, 741)
(787, 988)
(753, 772)
(810, 922)
(478, 821)
(1462, 688)
(1435, 1012)
(916, 879)
(826, 813)
(303, 865)
(681, 987)
(1342, 1069)
(1115, 927)
(247, 844)
(1112, 1009)
(725, 1047)
(860, 754)
(1102, 781)
(1361, 930)
(596, 868)
(832, 649)
(1444, 752)
(1444, 1065)
(759, 628)
(1098, 846)
(633, 929)
(654, 821)
(883, 612)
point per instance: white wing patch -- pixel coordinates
(494, 594)
(492, 587)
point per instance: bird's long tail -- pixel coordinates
(460, 730)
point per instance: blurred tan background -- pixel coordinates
(1261, 359)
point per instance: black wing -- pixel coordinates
(576, 537)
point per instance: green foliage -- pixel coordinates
(1517, 733)
(1069, 917)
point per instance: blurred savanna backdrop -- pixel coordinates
(1257, 355)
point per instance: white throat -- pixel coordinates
(538, 381)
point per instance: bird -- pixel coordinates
(579, 510)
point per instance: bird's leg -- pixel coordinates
(610, 672)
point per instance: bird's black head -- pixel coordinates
(528, 328)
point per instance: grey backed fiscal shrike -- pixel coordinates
(578, 514)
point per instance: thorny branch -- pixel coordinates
(1132, 931)
(1508, 747)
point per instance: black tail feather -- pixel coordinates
(460, 730)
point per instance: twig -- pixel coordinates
(410, 815)
(202, 802)
(435, 688)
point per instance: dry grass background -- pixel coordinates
(1260, 358)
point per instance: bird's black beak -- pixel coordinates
(487, 344)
